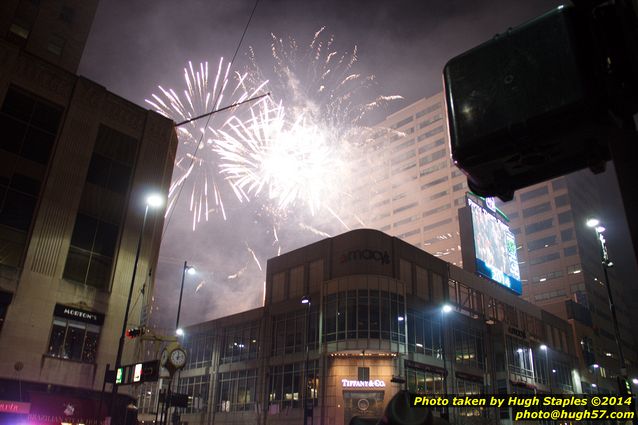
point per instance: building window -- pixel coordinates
(468, 348)
(29, 126)
(433, 168)
(570, 250)
(240, 343)
(237, 391)
(196, 388)
(470, 388)
(73, 340)
(5, 300)
(537, 209)
(289, 331)
(541, 243)
(438, 195)
(56, 45)
(565, 217)
(424, 334)
(18, 34)
(526, 196)
(567, 235)
(437, 224)
(200, 350)
(286, 385)
(432, 120)
(403, 122)
(561, 201)
(434, 182)
(434, 107)
(436, 210)
(432, 157)
(364, 314)
(425, 381)
(96, 230)
(363, 374)
(403, 146)
(558, 184)
(459, 186)
(405, 207)
(539, 226)
(425, 148)
(574, 269)
(544, 259)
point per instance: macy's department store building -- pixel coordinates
(374, 319)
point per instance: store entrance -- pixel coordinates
(368, 404)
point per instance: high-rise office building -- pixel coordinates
(76, 164)
(414, 192)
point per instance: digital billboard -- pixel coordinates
(495, 248)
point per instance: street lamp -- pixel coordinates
(544, 348)
(191, 271)
(607, 263)
(308, 403)
(152, 201)
(445, 310)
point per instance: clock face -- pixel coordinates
(164, 357)
(178, 357)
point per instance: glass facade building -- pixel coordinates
(374, 315)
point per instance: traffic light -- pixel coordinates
(134, 332)
(624, 386)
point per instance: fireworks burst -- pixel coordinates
(196, 162)
(301, 150)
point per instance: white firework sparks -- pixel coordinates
(292, 160)
(301, 150)
(198, 164)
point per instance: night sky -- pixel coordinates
(134, 46)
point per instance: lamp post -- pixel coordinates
(544, 348)
(595, 366)
(307, 406)
(152, 201)
(190, 270)
(445, 310)
(607, 263)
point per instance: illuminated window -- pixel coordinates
(236, 391)
(287, 386)
(74, 339)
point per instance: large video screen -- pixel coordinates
(495, 248)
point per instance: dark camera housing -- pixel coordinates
(529, 105)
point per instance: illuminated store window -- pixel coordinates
(75, 334)
(286, 385)
(196, 387)
(468, 348)
(236, 391)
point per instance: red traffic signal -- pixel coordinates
(134, 332)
